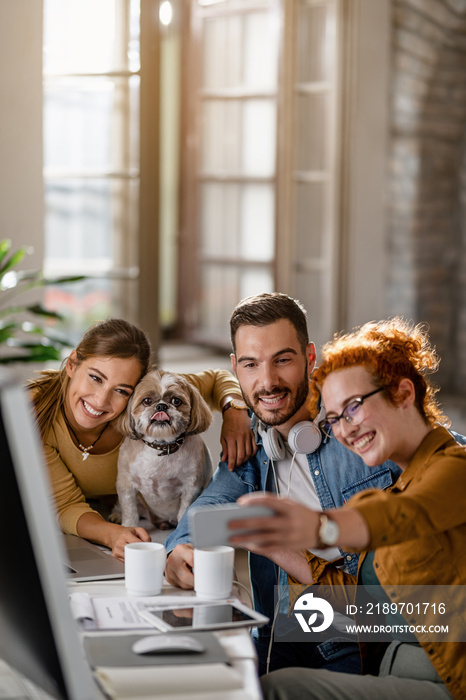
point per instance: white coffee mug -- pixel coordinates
(144, 568)
(213, 571)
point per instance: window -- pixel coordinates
(259, 157)
(92, 164)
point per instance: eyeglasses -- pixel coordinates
(351, 413)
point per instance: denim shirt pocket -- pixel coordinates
(248, 476)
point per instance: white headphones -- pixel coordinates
(304, 438)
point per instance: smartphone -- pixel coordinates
(208, 526)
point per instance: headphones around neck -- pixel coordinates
(304, 438)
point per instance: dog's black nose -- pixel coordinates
(161, 407)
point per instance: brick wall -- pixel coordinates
(427, 174)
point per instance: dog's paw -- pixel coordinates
(115, 518)
(115, 515)
(165, 525)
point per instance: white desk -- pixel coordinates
(236, 643)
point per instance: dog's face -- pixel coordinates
(164, 406)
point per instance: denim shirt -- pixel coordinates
(337, 474)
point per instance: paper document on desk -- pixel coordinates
(108, 613)
(118, 612)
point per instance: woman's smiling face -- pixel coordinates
(375, 438)
(100, 388)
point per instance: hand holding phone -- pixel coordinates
(208, 526)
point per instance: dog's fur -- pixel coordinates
(164, 407)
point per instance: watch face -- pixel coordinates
(329, 531)
(237, 403)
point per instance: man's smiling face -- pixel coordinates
(273, 371)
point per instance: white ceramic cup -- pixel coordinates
(213, 571)
(144, 567)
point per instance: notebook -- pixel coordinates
(87, 562)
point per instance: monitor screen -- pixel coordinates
(37, 633)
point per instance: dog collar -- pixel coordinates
(166, 448)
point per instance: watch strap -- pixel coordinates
(234, 403)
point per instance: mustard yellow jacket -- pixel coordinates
(418, 531)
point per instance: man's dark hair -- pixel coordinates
(264, 309)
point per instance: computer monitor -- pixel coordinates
(37, 633)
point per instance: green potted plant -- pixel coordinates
(24, 333)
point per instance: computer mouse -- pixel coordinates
(167, 644)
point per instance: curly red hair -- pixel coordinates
(390, 350)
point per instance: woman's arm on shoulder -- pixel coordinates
(215, 385)
(218, 386)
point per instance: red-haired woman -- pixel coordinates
(380, 405)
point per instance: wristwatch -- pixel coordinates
(329, 531)
(234, 403)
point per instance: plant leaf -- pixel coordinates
(48, 338)
(5, 246)
(8, 331)
(29, 340)
(9, 310)
(32, 345)
(39, 355)
(40, 310)
(63, 280)
(14, 260)
(37, 277)
(35, 281)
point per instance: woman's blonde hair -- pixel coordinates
(390, 350)
(112, 338)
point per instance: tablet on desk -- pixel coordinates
(203, 616)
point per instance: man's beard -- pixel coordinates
(271, 417)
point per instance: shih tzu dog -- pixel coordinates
(163, 462)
